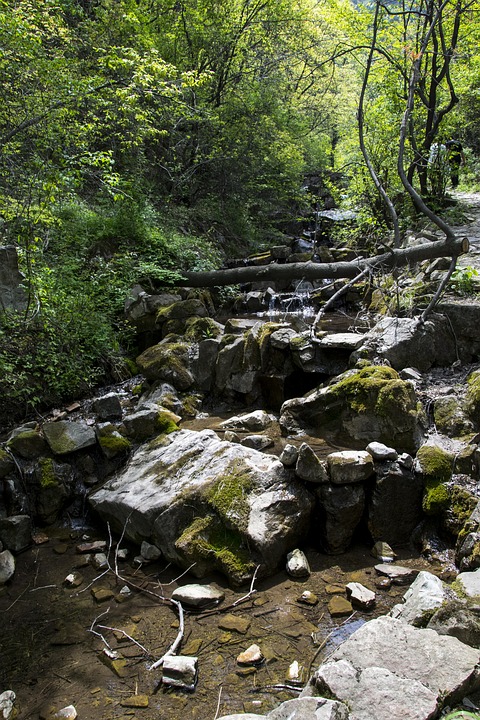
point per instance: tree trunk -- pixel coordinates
(397, 257)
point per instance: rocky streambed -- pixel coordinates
(334, 519)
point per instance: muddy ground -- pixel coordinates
(51, 657)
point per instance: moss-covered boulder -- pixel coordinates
(27, 442)
(203, 501)
(66, 437)
(358, 407)
(472, 398)
(169, 362)
(149, 421)
(450, 418)
(53, 485)
(111, 441)
(434, 465)
(7, 464)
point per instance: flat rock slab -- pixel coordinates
(345, 341)
(389, 670)
(198, 595)
(396, 573)
(305, 708)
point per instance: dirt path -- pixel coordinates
(471, 229)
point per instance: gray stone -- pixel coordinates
(426, 595)
(381, 452)
(250, 422)
(341, 508)
(309, 467)
(297, 564)
(396, 573)
(150, 552)
(257, 442)
(362, 405)
(7, 566)
(389, 670)
(346, 341)
(310, 708)
(470, 583)
(65, 437)
(148, 421)
(280, 339)
(27, 442)
(349, 466)
(7, 464)
(397, 340)
(395, 507)
(180, 671)
(383, 552)
(183, 491)
(289, 455)
(195, 595)
(108, 407)
(7, 701)
(54, 485)
(360, 596)
(460, 619)
(16, 532)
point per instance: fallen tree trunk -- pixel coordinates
(396, 257)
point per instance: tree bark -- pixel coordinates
(397, 257)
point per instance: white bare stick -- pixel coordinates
(218, 703)
(94, 632)
(251, 591)
(117, 630)
(173, 647)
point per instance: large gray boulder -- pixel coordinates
(390, 670)
(208, 503)
(362, 405)
(398, 340)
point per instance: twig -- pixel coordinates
(17, 598)
(118, 630)
(94, 632)
(250, 592)
(173, 647)
(218, 703)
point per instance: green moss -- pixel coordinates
(207, 539)
(47, 473)
(227, 495)
(114, 443)
(472, 396)
(200, 328)
(375, 389)
(462, 504)
(165, 423)
(436, 464)
(436, 500)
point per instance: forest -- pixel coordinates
(145, 138)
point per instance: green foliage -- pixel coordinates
(464, 281)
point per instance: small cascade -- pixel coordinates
(298, 303)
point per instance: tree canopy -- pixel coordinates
(141, 138)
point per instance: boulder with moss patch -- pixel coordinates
(202, 500)
(434, 465)
(52, 489)
(168, 362)
(359, 406)
(472, 398)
